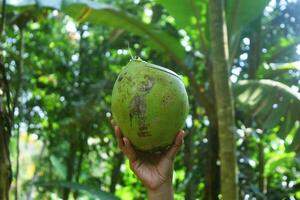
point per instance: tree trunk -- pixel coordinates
(212, 178)
(80, 157)
(188, 162)
(70, 168)
(5, 130)
(212, 185)
(5, 166)
(5, 123)
(224, 102)
(261, 168)
(116, 172)
(15, 104)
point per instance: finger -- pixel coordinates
(184, 134)
(113, 123)
(118, 135)
(129, 150)
(177, 144)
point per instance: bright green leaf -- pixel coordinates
(240, 13)
(270, 103)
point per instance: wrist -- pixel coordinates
(162, 192)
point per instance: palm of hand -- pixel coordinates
(152, 169)
(153, 172)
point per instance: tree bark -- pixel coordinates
(212, 178)
(116, 172)
(5, 165)
(5, 133)
(80, 158)
(5, 123)
(16, 104)
(212, 185)
(224, 102)
(261, 168)
(188, 162)
(70, 168)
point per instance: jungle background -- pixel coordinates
(59, 61)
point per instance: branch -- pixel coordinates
(15, 102)
(20, 67)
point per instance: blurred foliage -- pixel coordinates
(72, 54)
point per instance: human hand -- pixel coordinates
(154, 170)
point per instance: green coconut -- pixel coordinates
(149, 104)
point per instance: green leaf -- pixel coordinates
(279, 160)
(270, 103)
(90, 191)
(105, 14)
(272, 120)
(277, 69)
(183, 11)
(285, 125)
(295, 145)
(240, 13)
(282, 48)
(188, 179)
(99, 13)
(60, 167)
(288, 66)
(190, 15)
(298, 158)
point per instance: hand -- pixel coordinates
(154, 170)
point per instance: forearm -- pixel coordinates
(163, 192)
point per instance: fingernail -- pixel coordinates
(125, 141)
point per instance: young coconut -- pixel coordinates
(149, 104)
